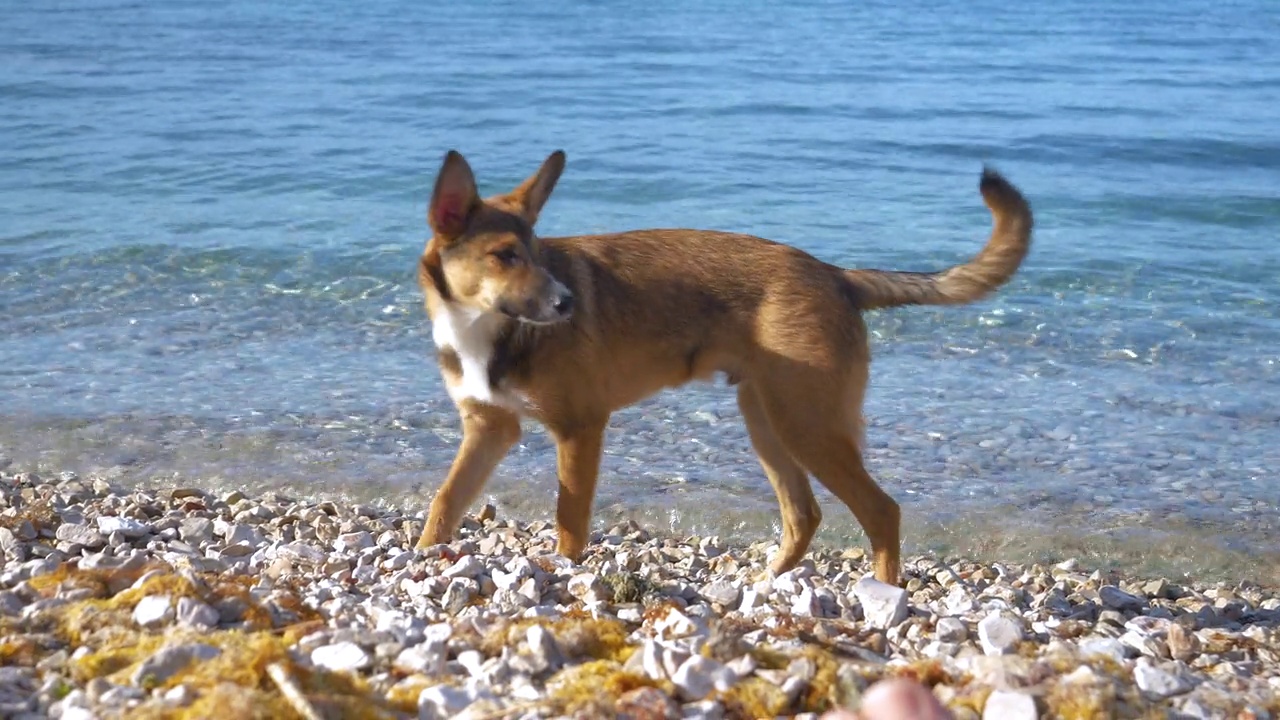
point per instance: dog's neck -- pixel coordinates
(487, 348)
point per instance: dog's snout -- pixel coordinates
(564, 303)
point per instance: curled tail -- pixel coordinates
(992, 267)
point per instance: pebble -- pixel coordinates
(883, 605)
(998, 634)
(197, 614)
(697, 676)
(343, 656)
(1157, 683)
(157, 669)
(77, 534)
(442, 702)
(1116, 599)
(491, 622)
(647, 703)
(128, 527)
(427, 658)
(153, 611)
(196, 530)
(722, 592)
(952, 630)
(1009, 705)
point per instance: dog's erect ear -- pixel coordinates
(454, 198)
(532, 194)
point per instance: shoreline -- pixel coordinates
(120, 601)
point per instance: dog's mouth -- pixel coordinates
(553, 314)
(546, 310)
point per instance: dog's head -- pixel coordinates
(483, 254)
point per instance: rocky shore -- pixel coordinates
(118, 602)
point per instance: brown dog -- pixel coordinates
(568, 330)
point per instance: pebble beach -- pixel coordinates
(179, 603)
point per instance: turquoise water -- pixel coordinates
(211, 214)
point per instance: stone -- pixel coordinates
(587, 588)
(1116, 599)
(1183, 644)
(153, 611)
(181, 696)
(1156, 588)
(647, 703)
(80, 535)
(10, 603)
(952, 630)
(675, 624)
(458, 595)
(1009, 705)
(1158, 684)
(883, 605)
(998, 634)
(466, 567)
(805, 604)
(197, 614)
(427, 658)
(721, 592)
(1145, 644)
(750, 601)
(9, 542)
(130, 528)
(157, 669)
(442, 702)
(697, 676)
(1102, 647)
(709, 710)
(238, 533)
(354, 542)
(196, 530)
(342, 656)
(544, 653)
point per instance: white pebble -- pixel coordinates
(343, 656)
(153, 610)
(1009, 705)
(883, 605)
(998, 634)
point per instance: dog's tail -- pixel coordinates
(992, 267)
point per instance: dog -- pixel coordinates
(568, 330)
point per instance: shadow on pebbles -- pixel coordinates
(177, 603)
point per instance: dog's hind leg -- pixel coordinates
(812, 416)
(800, 512)
(488, 433)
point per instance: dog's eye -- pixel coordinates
(506, 256)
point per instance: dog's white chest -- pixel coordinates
(471, 336)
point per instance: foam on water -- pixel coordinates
(212, 217)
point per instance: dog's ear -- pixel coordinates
(532, 194)
(454, 199)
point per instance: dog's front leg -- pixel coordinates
(578, 458)
(488, 433)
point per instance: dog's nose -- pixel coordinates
(564, 304)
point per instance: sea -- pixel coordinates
(211, 214)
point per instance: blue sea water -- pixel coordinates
(210, 215)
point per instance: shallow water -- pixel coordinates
(212, 215)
